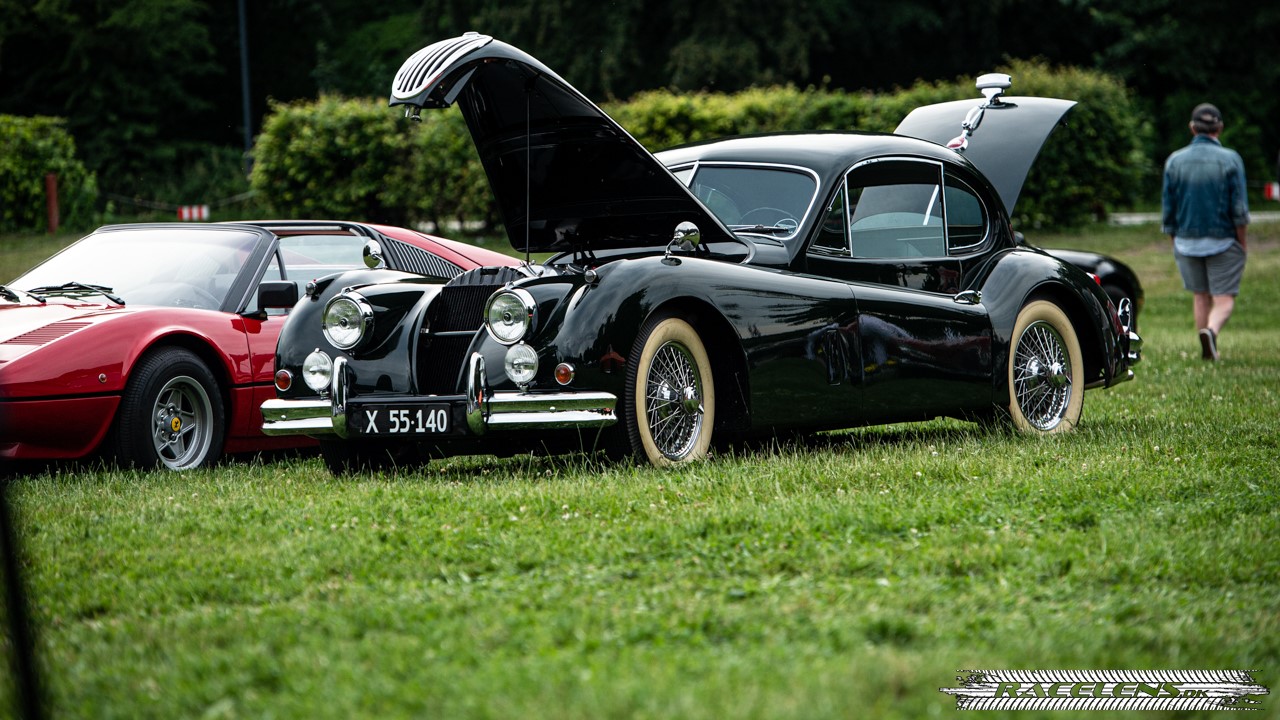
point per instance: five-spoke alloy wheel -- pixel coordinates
(171, 413)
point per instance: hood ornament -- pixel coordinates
(992, 86)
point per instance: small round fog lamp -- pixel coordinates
(521, 364)
(317, 371)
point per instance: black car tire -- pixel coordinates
(344, 457)
(171, 413)
(1045, 371)
(666, 424)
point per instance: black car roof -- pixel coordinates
(826, 153)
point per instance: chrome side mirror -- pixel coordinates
(686, 238)
(373, 258)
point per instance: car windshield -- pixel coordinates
(170, 267)
(766, 200)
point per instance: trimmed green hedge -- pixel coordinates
(360, 159)
(31, 147)
(338, 159)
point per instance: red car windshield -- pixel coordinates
(170, 267)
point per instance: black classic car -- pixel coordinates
(724, 290)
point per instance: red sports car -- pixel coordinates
(148, 343)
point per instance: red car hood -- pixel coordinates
(24, 328)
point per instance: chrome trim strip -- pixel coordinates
(551, 420)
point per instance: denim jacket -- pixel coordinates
(1204, 191)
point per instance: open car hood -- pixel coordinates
(565, 175)
(1005, 143)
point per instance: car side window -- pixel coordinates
(896, 209)
(966, 218)
(308, 253)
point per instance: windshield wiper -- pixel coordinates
(11, 294)
(79, 289)
(764, 229)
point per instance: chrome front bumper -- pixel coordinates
(484, 409)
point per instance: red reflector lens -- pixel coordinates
(284, 380)
(564, 373)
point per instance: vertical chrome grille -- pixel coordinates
(459, 308)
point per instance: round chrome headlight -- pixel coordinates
(317, 371)
(348, 320)
(510, 315)
(521, 364)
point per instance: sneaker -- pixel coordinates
(1208, 345)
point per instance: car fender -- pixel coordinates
(1015, 277)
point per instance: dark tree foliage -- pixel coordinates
(125, 75)
(151, 88)
(1178, 54)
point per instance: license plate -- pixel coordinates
(402, 419)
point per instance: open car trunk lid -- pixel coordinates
(565, 175)
(1005, 143)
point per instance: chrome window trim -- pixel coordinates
(959, 182)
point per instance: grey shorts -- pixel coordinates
(1216, 274)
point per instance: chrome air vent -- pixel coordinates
(425, 67)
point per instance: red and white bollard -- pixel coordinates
(193, 213)
(1271, 191)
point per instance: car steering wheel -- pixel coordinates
(198, 298)
(781, 218)
(176, 294)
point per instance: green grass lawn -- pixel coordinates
(853, 578)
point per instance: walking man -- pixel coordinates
(1206, 213)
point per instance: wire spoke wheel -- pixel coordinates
(674, 393)
(670, 411)
(1044, 366)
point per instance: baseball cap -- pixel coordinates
(1206, 114)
